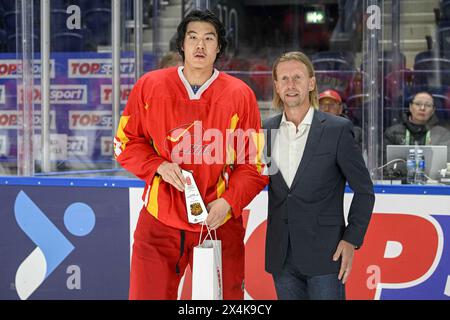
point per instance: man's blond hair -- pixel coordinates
(302, 58)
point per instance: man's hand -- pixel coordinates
(217, 210)
(346, 250)
(171, 173)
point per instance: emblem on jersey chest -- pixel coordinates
(191, 143)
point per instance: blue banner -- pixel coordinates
(81, 104)
(64, 243)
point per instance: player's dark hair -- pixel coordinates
(202, 16)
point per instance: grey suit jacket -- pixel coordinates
(310, 213)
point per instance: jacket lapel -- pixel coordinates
(315, 133)
(271, 131)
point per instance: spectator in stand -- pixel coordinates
(419, 125)
(171, 59)
(330, 101)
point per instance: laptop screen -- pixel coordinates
(435, 157)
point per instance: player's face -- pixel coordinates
(293, 83)
(200, 45)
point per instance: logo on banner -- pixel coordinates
(52, 247)
(9, 119)
(98, 68)
(107, 146)
(89, 120)
(59, 94)
(404, 256)
(106, 93)
(396, 240)
(77, 145)
(12, 69)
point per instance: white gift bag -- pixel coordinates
(207, 268)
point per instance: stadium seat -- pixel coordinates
(8, 5)
(12, 22)
(14, 43)
(429, 58)
(67, 42)
(333, 60)
(98, 22)
(58, 20)
(431, 69)
(3, 40)
(386, 62)
(9, 21)
(443, 35)
(60, 4)
(97, 4)
(445, 9)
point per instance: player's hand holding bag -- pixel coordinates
(207, 268)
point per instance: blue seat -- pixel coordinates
(441, 101)
(431, 69)
(9, 21)
(14, 43)
(443, 36)
(67, 42)
(12, 22)
(333, 60)
(3, 40)
(96, 4)
(83, 4)
(8, 5)
(98, 23)
(58, 19)
(59, 4)
(386, 62)
(445, 9)
(388, 58)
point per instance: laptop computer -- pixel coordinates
(435, 157)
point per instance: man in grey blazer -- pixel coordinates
(311, 155)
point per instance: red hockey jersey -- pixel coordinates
(211, 132)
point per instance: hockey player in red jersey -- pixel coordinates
(190, 117)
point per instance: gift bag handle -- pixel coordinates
(216, 254)
(209, 233)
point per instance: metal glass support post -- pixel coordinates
(138, 48)
(25, 156)
(373, 108)
(45, 85)
(395, 14)
(398, 73)
(155, 29)
(115, 41)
